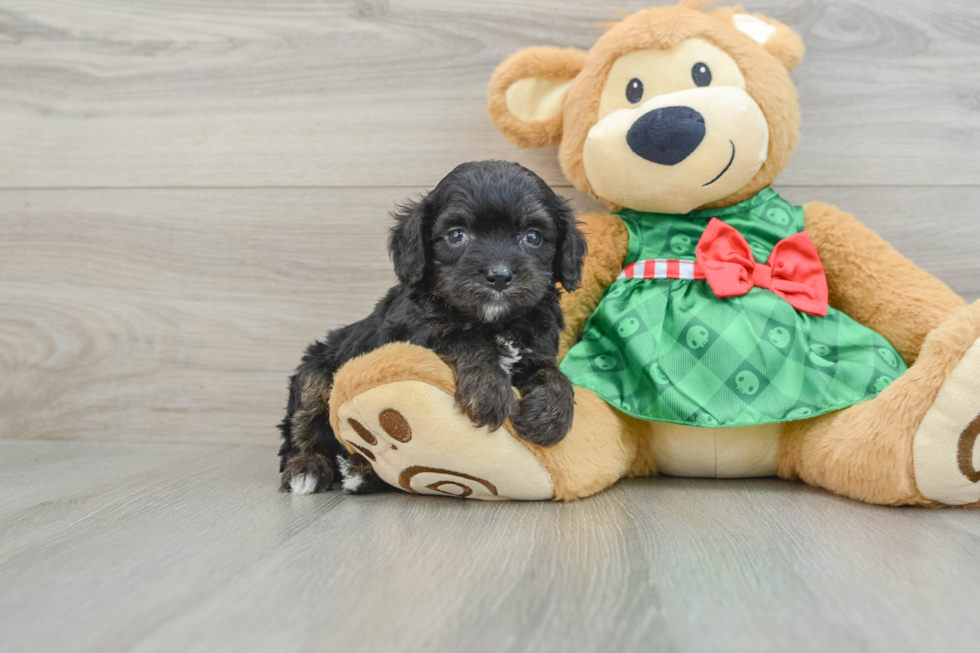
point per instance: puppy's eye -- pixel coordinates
(456, 237)
(533, 238)
(701, 74)
(634, 91)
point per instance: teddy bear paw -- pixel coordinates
(415, 439)
(946, 449)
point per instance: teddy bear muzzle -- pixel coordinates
(677, 151)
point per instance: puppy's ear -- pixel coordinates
(571, 249)
(408, 242)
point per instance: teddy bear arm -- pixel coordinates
(608, 243)
(874, 284)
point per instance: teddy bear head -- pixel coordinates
(673, 109)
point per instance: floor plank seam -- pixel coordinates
(273, 444)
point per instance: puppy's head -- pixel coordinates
(491, 240)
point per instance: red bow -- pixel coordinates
(793, 271)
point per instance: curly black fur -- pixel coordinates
(477, 260)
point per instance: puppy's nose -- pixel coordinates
(667, 135)
(499, 277)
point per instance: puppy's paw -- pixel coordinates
(358, 476)
(486, 401)
(544, 415)
(307, 473)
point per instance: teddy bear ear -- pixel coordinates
(778, 39)
(527, 94)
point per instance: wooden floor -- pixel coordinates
(182, 547)
(192, 191)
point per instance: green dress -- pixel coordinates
(669, 350)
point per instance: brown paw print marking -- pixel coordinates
(366, 435)
(364, 452)
(438, 485)
(405, 480)
(395, 424)
(968, 440)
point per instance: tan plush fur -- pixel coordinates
(540, 63)
(876, 285)
(395, 362)
(599, 450)
(784, 44)
(865, 452)
(766, 78)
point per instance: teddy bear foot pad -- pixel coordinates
(946, 451)
(418, 442)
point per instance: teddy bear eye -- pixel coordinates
(634, 91)
(701, 74)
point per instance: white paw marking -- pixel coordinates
(302, 484)
(510, 356)
(344, 466)
(944, 455)
(353, 482)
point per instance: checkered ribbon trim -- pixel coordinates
(662, 268)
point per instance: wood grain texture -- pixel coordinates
(191, 191)
(142, 547)
(177, 315)
(97, 93)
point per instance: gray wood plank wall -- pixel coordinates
(192, 191)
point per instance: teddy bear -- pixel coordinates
(719, 331)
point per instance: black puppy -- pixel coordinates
(477, 260)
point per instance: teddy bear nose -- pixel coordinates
(667, 135)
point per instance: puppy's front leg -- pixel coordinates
(483, 389)
(544, 413)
